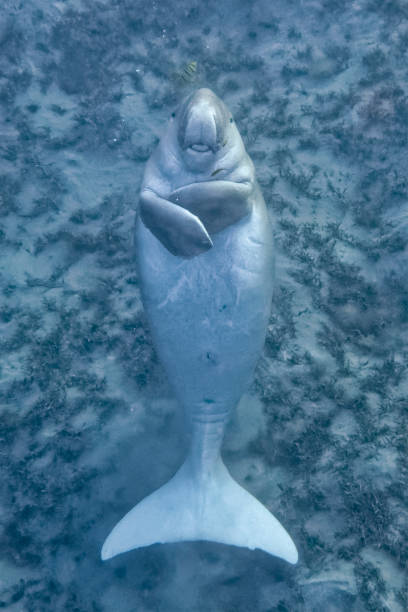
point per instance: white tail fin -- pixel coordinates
(189, 509)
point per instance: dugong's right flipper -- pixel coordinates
(218, 203)
(180, 231)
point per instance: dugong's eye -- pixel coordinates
(173, 114)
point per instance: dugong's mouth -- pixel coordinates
(200, 148)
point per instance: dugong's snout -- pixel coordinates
(202, 122)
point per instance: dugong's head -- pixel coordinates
(202, 122)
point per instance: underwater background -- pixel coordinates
(88, 421)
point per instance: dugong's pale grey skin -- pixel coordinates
(205, 257)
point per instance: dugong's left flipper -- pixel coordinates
(180, 231)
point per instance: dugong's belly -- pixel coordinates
(208, 314)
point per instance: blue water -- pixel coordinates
(89, 424)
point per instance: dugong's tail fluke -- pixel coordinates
(213, 508)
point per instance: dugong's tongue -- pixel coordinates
(200, 148)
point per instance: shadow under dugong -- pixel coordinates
(205, 258)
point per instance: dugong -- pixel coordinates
(205, 257)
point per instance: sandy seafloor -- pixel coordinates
(88, 423)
